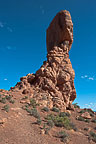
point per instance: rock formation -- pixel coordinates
(53, 83)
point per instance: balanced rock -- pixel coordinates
(53, 83)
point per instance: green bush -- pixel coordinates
(76, 105)
(55, 109)
(33, 103)
(26, 97)
(73, 126)
(82, 111)
(46, 109)
(28, 110)
(86, 129)
(47, 130)
(63, 135)
(94, 121)
(6, 108)
(12, 101)
(80, 118)
(39, 121)
(93, 136)
(60, 121)
(50, 117)
(87, 120)
(3, 100)
(63, 114)
(8, 97)
(34, 113)
(50, 123)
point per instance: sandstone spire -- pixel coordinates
(53, 83)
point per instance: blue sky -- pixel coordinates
(23, 25)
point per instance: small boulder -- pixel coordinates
(86, 115)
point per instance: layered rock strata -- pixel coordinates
(53, 83)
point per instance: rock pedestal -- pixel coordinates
(53, 83)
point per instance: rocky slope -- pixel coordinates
(53, 83)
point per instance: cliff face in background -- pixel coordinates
(53, 83)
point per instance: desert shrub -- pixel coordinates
(80, 118)
(46, 109)
(55, 109)
(28, 110)
(12, 101)
(50, 117)
(76, 105)
(34, 113)
(82, 111)
(63, 135)
(6, 108)
(87, 120)
(8, 97)
(93, 136)
(50, 123)
(3, 100)
(47, 130)
(86, 129)
(33, 103)
(73, 126)
(63, 114)
(94, 121)
(60, 121)
(39, 121)
(26, 97)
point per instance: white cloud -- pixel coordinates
(1, 25)
(91, 78)
(10, 48)
(5, 79)
(42, 9)
(91, 105)
(9, 29)
(82, 77)
(5, 25)
(87, 77)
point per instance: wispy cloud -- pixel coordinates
(91, 78)
(42, 9)
(5, 79)
(91, 105)
(6, 26)
(1, 25)
(88, 77)
(10, 48)
(9, 29)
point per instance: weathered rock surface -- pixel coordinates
(53, 83)
(86, 115)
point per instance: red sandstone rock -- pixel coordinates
(86, 115)
(55, 79)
